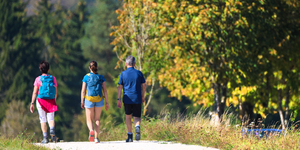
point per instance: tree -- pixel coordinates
(230, 41)
(96, 41)
(203, 32)
(19, 120)
(17, 53)
(60, 32)
(135, 36)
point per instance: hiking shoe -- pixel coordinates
(97, 140)
(45, 140)
(52, 132)
(91, 136)
(129, 139)
(137, 133)
(53, 137)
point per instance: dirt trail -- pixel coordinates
(122, 145)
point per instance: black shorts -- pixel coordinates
(134, 109)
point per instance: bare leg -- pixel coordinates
(137, 121)
(97, 120)
(89, 117)
(128, 123)
(44, 127)
(51, 123)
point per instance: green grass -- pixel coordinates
(198, 130)
(195, 130)
(21, 142)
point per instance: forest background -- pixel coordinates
(236, 56)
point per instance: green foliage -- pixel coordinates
(17, 53)
(59, 33)
(19, 119)
(217, 52)
(206, 53)
(96, 41)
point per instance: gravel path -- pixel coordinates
(120, 145)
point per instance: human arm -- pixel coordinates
(55, 85)
(105, 94)
(144, 86)
(83, 89)
(34, 94)
(56, 94)
(119, 95)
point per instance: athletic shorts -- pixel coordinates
(134, 109)
(88, 104)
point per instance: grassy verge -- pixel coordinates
(21, 142)
(198, 130)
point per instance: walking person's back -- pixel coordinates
(132, 80)
(92, 100)
(133, 84)
(45, 93)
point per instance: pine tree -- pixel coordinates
(96, 42)
(69, 70)
(17, 54)
(60, 31)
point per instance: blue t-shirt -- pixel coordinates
(132, 80)
(86, 77)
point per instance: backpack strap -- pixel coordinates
(86, 93)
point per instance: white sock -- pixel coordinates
(137, 125)
(129, 132)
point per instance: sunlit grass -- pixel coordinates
(21, 142)
(198, 130)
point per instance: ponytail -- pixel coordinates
(93, 66)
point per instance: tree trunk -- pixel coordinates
(216, 115)
(265, 94)
(150, 97)
(287, 101)
(280, 108)
(223, 101)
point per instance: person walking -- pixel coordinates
(92, 99)
(133, 83)
(45, 91)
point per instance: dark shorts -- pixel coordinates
(134, 109)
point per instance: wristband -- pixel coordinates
(118, 98)
(32, 103)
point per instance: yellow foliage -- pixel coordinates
(244, 90)
(196, 84)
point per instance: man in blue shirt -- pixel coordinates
(133, 83)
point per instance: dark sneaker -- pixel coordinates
(129, 139)
(52, 132)
(137, 133)
(97, 140)
(91, 136)
(45, 140)
(53, 137)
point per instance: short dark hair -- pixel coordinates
(44, 67)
